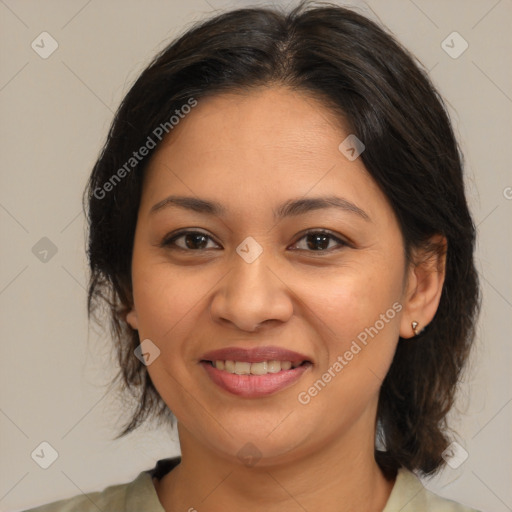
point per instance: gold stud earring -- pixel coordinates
(414, 326)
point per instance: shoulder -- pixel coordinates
(409, 495)
(138, 495)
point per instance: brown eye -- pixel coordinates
(192, 240)
(318, 241)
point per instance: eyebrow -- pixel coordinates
(289, 208)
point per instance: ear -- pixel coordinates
(425, 279)
(131, 319)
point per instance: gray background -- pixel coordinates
(55, 113)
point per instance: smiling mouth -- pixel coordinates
(258, 368)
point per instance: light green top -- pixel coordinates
(408, 495)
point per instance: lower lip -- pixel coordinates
(254, 386)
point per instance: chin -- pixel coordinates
(256, 446)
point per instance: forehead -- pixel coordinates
(276, 119)
(268, 144)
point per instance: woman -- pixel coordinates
(279, 227)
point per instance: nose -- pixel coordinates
(252, 294)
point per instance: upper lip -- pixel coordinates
(254, 355)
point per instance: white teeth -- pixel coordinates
(261, 368)
(286, 365)
(242, 368)
(229, 366)
(274, 366)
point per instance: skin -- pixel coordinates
(251, 152)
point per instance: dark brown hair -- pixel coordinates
(378, 90)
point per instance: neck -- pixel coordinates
(342, 477)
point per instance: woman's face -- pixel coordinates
(250, 277)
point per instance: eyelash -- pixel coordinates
(169, 241)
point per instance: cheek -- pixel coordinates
(167, 303)
(164, 295)
(172, 311)
(359, 330)
(350, 300)
(358, 312)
